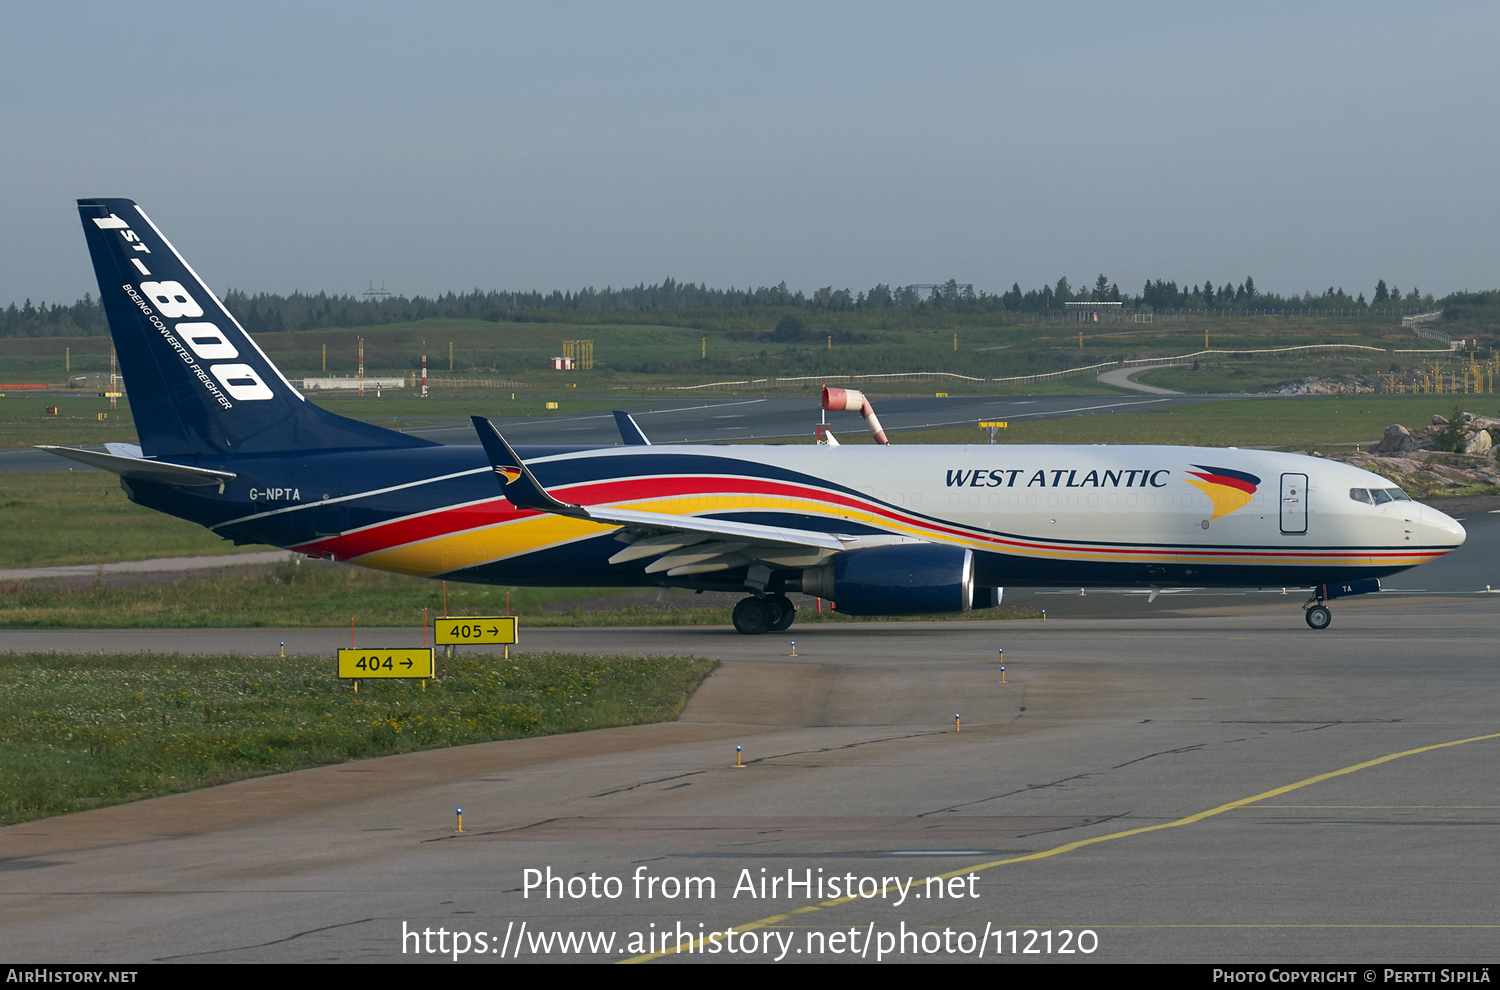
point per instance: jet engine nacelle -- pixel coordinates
(909, 579)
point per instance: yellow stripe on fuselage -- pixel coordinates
(476, 546)
(533, 533)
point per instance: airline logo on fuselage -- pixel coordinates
(1229, 490)
(1060, 478)
(164, 300)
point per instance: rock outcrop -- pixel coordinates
(1406, 457)
(1341, 385)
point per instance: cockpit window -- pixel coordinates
(1397, 495)
(1380, 496)
(1361, 495)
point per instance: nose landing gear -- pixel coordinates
(1317, 614)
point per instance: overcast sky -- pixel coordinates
(433, 146)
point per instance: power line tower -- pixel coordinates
(946, 290)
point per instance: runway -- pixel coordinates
(1218, 785)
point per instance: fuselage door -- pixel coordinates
(1294, 503)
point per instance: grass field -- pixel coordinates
(25, 422)
(631, 357)
(83, 731)
(318, 594)
(51, 518)
(1297, 424)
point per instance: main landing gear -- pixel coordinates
(771, 613)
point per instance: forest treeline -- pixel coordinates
(272, 313)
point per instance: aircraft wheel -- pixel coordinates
(753, 616)
(788, 613)
(1318, 617)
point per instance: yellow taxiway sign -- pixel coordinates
(474, 629)
(386, 663)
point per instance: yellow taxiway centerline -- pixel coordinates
(1081, 843)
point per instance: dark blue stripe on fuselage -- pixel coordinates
(348, 473)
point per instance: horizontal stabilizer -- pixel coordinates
(142, 468)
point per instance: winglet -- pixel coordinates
(516, 480)
(630, 431)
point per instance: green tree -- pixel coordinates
(789, 328)
(1451, 437)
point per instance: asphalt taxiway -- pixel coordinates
(1220, 785)
(1200, 778)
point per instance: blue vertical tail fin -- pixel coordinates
(198, 384)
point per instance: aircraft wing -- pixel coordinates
(682, 544)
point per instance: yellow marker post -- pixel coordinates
(993, 426)
(794, 647)
(738, 758)
(957, 723)
(460, 819)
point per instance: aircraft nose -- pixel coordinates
(1439, 529)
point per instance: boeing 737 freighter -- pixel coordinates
(227, 442)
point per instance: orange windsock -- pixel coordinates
(839, 399)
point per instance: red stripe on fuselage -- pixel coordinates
(443, 522)
(439, 522)
(1226, 481)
